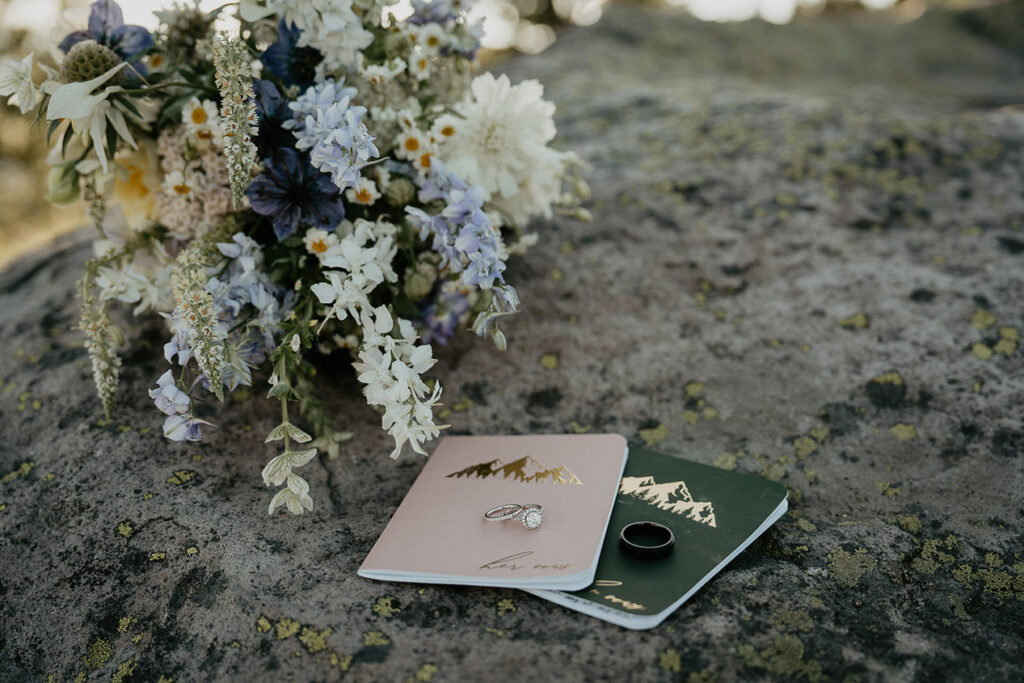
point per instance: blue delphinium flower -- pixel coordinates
(250, 309)
(294, 65)
(320, 98)
(436, 11)
(295, 195)
(169, 399)
(107, 27)
(462, 233)
(447, 14)
(442, 317)
(467, 241)
(184, 428)
(331, 128)
(181, 423)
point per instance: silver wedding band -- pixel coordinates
(531, 516)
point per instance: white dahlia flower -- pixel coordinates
(502, 145)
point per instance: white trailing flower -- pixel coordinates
(365, 267)
(130, 285)
(391, 365)
(200, 314)
(233, 64)
(379, 74)
(295, 496)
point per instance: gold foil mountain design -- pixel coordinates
(673, 497)
(526, 469)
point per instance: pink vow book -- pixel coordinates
(439, 533)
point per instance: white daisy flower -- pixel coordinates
(176, 185)
(407, 114)
(419, 66)
(319, 241)
(156, 62)
(365, 192)
(199, 113)
(445, 127)
(422, 161)
(205, 136)
(411, 143)
(379, 74)
(202, 122)
(431, 38)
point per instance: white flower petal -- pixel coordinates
(74, 101)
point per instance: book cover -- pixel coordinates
(439, 533)
(713, 513)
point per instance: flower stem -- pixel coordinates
(284, 420)
(172, 84)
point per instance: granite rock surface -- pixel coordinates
(806, 263)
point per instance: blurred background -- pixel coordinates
(28, 222)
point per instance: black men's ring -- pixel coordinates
(647, 540)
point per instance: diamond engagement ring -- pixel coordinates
(531, 515)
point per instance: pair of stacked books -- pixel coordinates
(573, 495)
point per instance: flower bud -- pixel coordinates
(419, 284)
(62, 186)
(401, 191)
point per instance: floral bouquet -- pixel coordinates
(327, 176)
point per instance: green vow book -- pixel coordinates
(713, 513)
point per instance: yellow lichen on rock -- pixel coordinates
(385, 607)
(654, 436)
(980, 350)
(670, 661)
(100, 652)
(286, 628)
(904, 432)
(375, 638)
(314, 640)
(848, 568)
(983, 319)
(857, 321)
